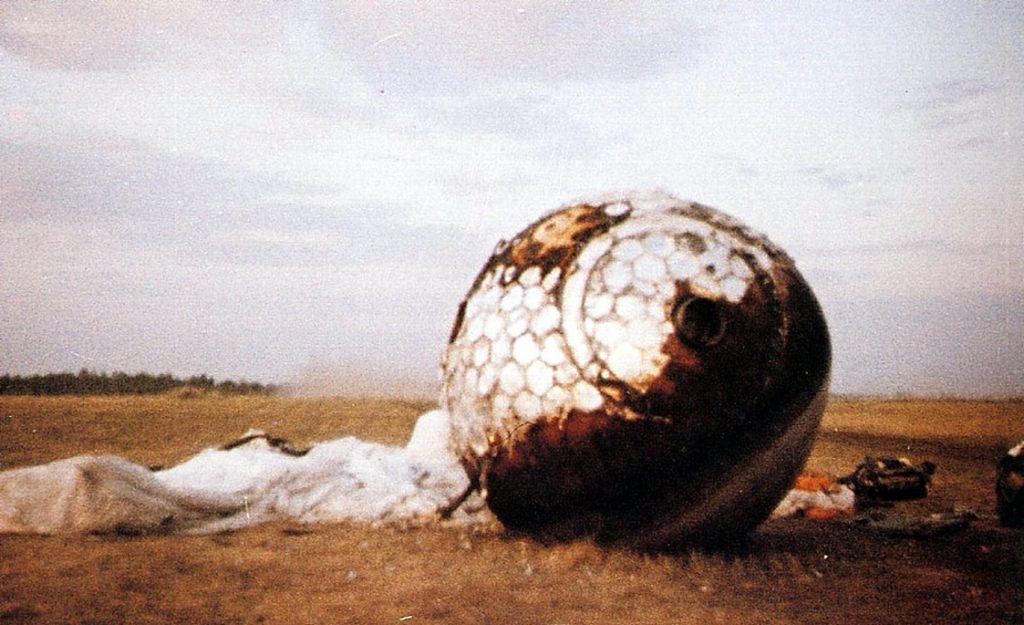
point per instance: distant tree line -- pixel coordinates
(87, 382)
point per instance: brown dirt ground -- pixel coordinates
(788, 571)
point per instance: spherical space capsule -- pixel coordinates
(642, 368)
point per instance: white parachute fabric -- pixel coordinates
(223, 489)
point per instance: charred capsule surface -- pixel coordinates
(642, 367)
(1010, 487)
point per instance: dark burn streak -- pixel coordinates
(460, 314)
(725, 223)
(553, 241)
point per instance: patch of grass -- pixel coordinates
(788, 571)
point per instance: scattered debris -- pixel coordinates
(273, 442)
(889, 479)
(881, 481)
(906, 526)
(1010, 488)
(816, 496)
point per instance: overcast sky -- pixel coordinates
(293, 191)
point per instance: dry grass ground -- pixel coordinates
(789, 571)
